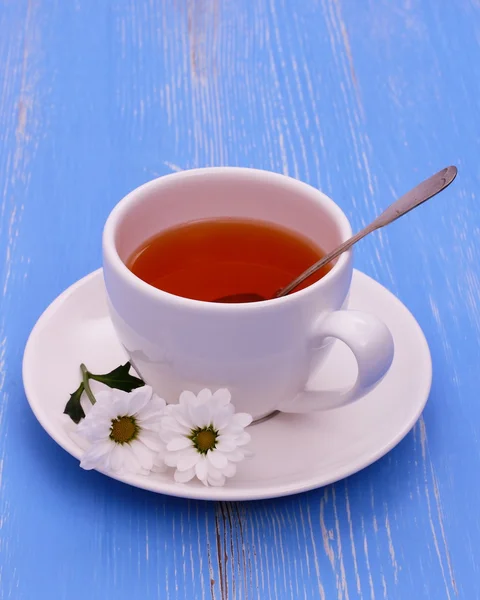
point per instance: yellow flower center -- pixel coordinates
(123, 430)
(204, 439)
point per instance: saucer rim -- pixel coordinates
(227, 493)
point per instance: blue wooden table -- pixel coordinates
(360, 99)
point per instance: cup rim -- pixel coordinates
(110, 253)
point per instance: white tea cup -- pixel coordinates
(264, 352)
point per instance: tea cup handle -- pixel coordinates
(371, 343)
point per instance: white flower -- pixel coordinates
(204, 437)
(123, 429)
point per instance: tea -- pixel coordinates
(206, 260)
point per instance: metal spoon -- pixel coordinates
(416, 196)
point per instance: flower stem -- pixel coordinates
(86, 384)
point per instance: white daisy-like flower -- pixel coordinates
(123, 430)
(204, 437)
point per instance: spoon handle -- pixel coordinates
(416, 196)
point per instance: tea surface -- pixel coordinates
(205, 260)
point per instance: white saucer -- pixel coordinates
(293, 453)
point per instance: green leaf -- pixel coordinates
(119, 379)
(73, 407)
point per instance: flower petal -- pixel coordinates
(220, 418)
(217, 459)
(159, 465)
(104, 398)
(222, 396)
(241, 419)
(243, 438)
(204, 395)
(179, 443)
(201, 415)
(231, 430)
(171, 458)
(201, 469)
(95, 431)
(131, 464)
(187, 398)
(120, 403)
(153, 410)
(225, 444)
(188, 459)
(236, 455)
(149, 426)
(184, 476)
(100, 410)
(179, 413)
(227, 412)
(173, 424)
(96, 455)
(230, 470)
(139, 398)
(144, 454)
(216, 482)
(117, 456)
(166, 435)
(213, 471)
(183, 417)
(152, 440)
